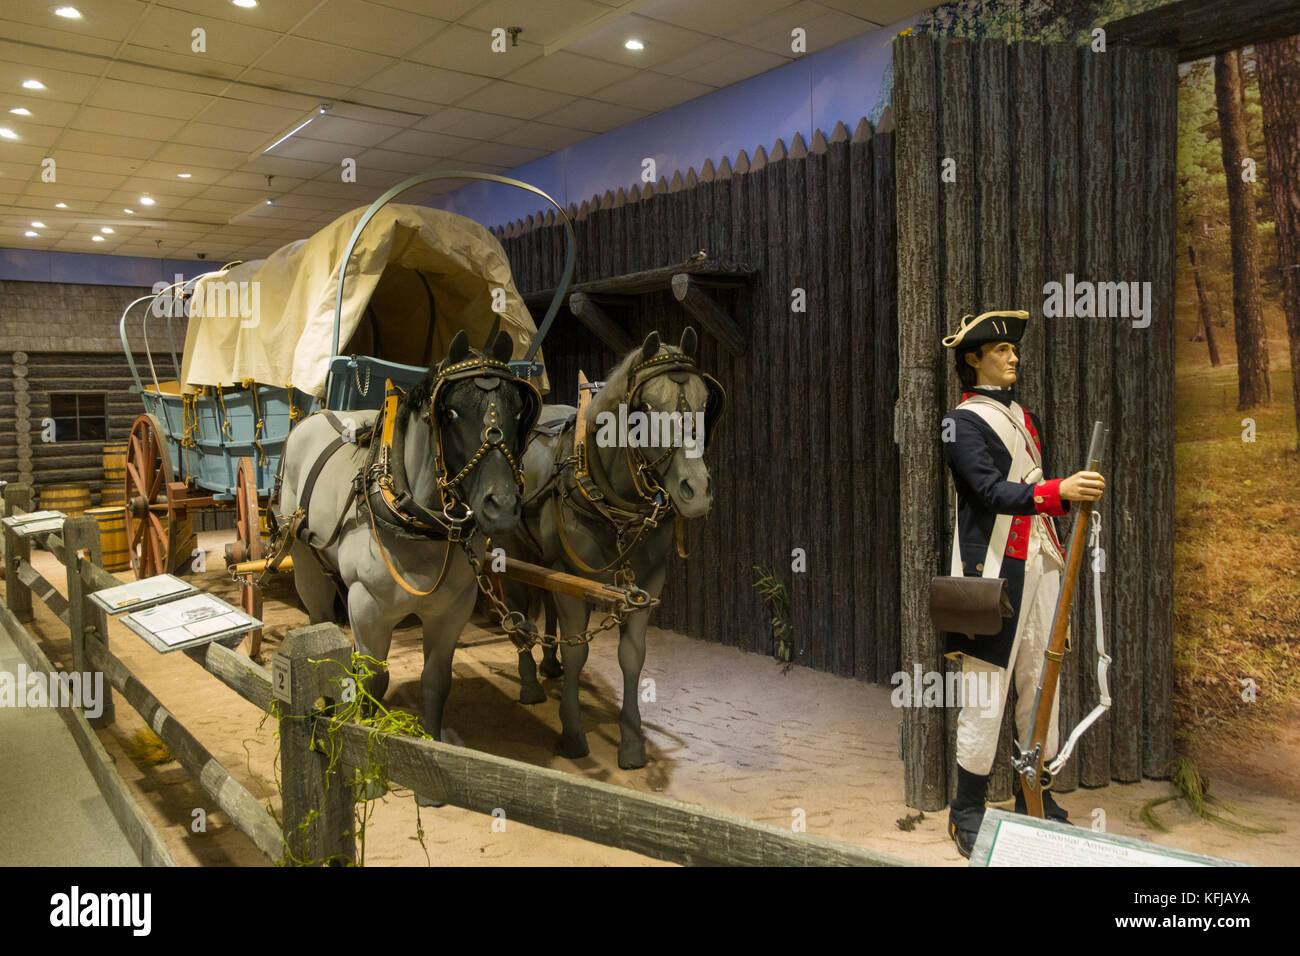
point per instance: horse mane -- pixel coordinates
(615, 387)
(417, 397)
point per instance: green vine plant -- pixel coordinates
(1193, 789)
(353, 704)
(772, 589)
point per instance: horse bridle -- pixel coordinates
(387, 470)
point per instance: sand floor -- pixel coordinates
(727, 730)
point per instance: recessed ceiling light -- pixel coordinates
(32, 234)
(107, 230)
(146, 200)
(21, 111)
(68, 13)
(246, 4)
(33, 85)
(60, 205)
(129, 212)
(96, 238)
(7, 133)
(184, 175)
(268, 202)
(38, 225)
(634, 45)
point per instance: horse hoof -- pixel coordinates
(633, 758)
(575, 748)
(423, 801)
(549, 668)
(532, 694)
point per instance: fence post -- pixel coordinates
(319, 821)
(85, 620)
(18, 596)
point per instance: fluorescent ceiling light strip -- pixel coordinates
(286, 136)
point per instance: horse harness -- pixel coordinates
(381, 487)
(582, 480)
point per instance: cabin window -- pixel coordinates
(79, 416)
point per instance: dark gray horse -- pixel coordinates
(458, 437)
(617, 512)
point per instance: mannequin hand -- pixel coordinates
(1083, 486)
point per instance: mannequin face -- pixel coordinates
(995, 364)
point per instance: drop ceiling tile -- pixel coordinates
(544, 136)
(470, 51)
(739, 64)
(45, 195)
(28, 133)
(110, 19)
(312, 150)
(284, 166)
(653, 91)
(274, 15)
(566, 72)
(593, 115)
(500, 154)
(543, 21)
(98, 162)
(127, 146)
(368, 114)
(242, 114)
(25, 54)
(61, 87)
(663, 41)
(511, 99)
(206, 74)
(416, 109)
(40, 36)
(244, 180)
(138, 98)
(223, 40)
(47, 111)
(718, 17)
(204, 135)
(880, 12)
(425, 83)
(334, 129)
(381, 162)
(327, 62)
(825, 28)
(427, 144)
(370, 27)
(94, 119)
(323, 91)
(442, 9)
(472, 124)
(165, 78)
(180, 152)
(86, 178)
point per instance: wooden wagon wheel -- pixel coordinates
(153, 519)
(248, 546)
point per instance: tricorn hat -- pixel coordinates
(988, 327)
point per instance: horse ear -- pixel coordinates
(650, 348)
(459, 348)
(690, 341)
(503, 346)
(489, 343)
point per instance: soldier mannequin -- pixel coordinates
(1004, 507)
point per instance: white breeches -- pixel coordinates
(978, 726)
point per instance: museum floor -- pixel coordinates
(51, 812)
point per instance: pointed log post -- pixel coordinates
(319, 823)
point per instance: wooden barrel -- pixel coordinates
(71, 499)
(113, 491)
(112, 536)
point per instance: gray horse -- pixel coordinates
(387, 568)
(652, 378)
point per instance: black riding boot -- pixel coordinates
(1051, 809)
(966, 812)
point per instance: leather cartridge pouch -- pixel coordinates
(970, 606)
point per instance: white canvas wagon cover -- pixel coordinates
(416, 277)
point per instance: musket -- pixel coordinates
(1034, 777)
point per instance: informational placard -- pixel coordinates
(199, 619)
(138, 595)
(1013, 839)
(280, 674)
(35, 523)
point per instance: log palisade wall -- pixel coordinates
(1065, 164)
(805, 454)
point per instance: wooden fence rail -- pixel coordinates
(318, 805)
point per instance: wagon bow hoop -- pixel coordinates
(570, 255)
